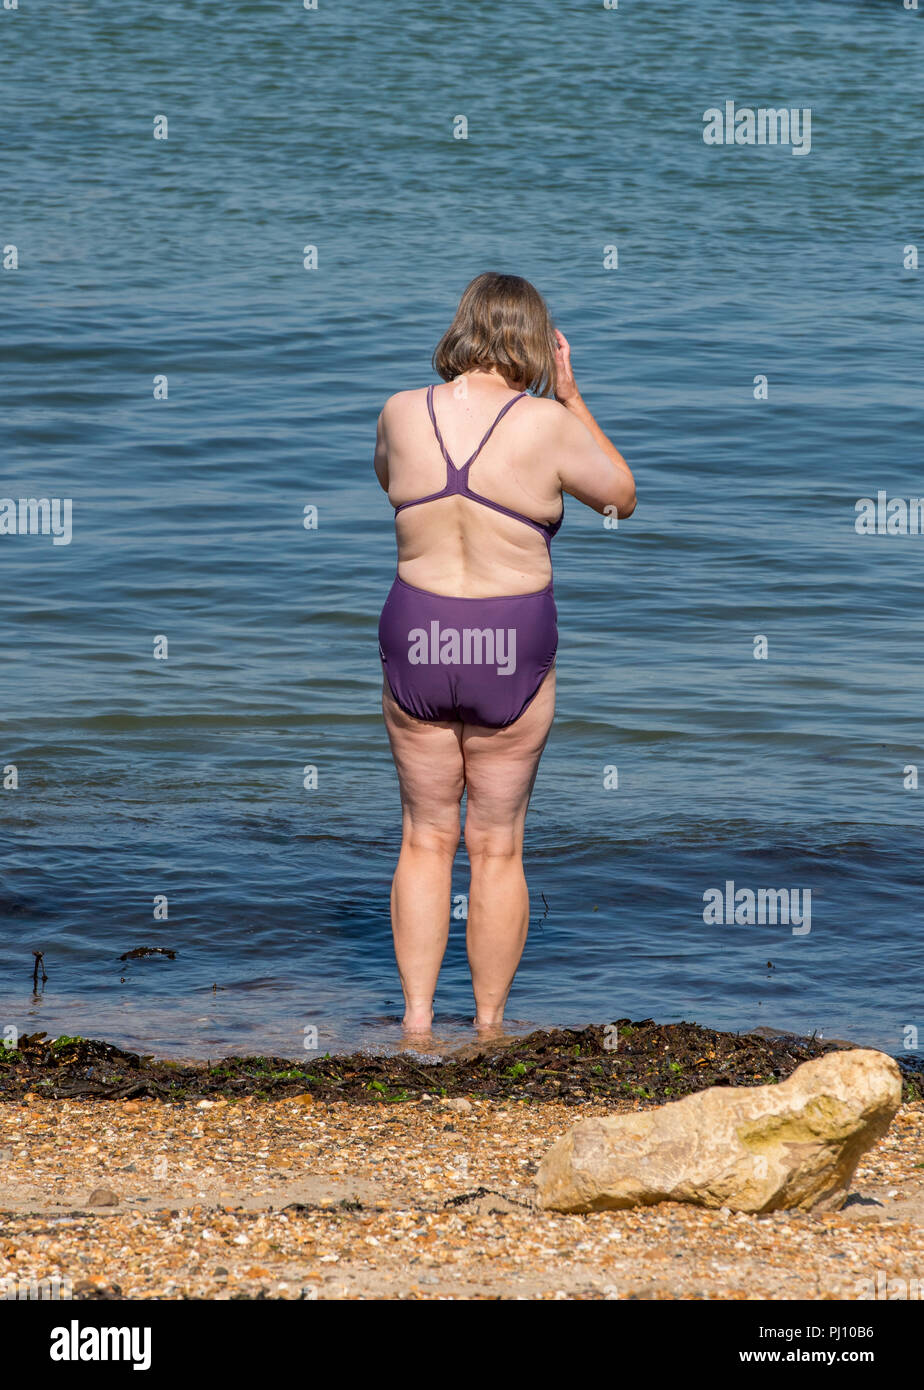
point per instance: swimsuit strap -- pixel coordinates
(487, 435)
(436, 428)
(547, 528)
(502, 412)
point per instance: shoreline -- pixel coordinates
(349, 1188)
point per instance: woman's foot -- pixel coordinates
(489, 1028)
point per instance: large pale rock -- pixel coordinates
(749, 1148)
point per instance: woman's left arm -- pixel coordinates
(381, 453)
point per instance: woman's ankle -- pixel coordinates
(417, 1017)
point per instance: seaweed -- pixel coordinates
(643, 1062)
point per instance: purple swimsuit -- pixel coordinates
(478, 660)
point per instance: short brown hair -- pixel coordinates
(502, 321)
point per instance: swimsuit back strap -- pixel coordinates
(436, 429)
(487, 435)
(493, 427)
(548, 529)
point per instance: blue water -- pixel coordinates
(183, 257)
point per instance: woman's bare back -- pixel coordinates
(454, 545)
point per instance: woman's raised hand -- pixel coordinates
(565, 385)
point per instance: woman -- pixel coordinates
(475, 470)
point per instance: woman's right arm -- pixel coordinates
(591, 468)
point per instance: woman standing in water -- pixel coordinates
(475, 470)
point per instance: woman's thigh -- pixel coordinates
(428, 760)
(500, 769)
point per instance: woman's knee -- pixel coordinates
(440, 837)
(493, 841)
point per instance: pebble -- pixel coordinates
(103, 1197)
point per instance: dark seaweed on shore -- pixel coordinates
(643, 1062)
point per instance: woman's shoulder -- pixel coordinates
(544, 407)
(543, 417)
(404, 400)
(544, 411)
